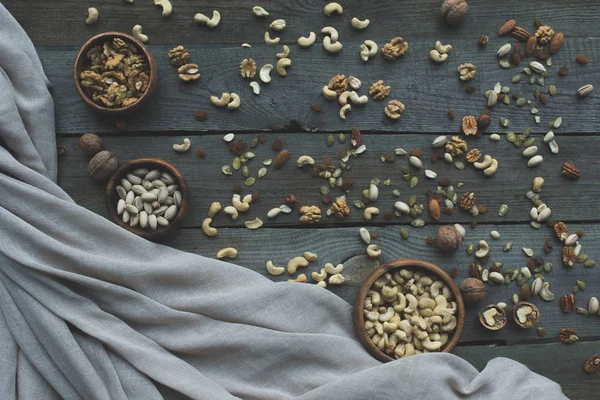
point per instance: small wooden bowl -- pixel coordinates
(82, 62)
(408, 263)
(112, 197)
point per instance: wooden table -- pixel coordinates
(282, 111)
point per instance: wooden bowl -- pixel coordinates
(112, 197)
(407, 263)
(82, 62)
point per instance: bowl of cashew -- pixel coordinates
(117, 85)
(407, 307)
(151, 186)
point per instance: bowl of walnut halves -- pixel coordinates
(114, 73)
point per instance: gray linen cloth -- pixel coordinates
(90, 311)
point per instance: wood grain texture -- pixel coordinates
(208, 184)
(428, 90)
(50, 23)
(339, 245)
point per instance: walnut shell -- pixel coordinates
(455, 11)
(102, 165)
(90, 144)
(473, 290)
(447, 238)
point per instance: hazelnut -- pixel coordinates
(454, 11)
(102, 165)
(90, 144)
(448, 239)
(473, 290)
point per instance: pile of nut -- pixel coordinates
(148, 198)
(408, 312)
(118, 75)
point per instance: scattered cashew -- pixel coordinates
(273, 270)
(247, 199)
(437, 57)
(331, 8)
(369, 212)
(305, 160)
(227, 252)
(372, 46)
(136, 31)
(167, 8)
(235, 101)
(220, 101)
(491, 170)
(358, 24)
(200, 18)
(278, 25)
(265, 73)
(373, 251)
(443, 49)
(331, 270)
(484, 249)
(354, 82)
(364, 52)
(295, 263)
(299, 278)
(182, 148)
(310, 257)
(92, 17)
(344, 110)
(487, 161)
(207, 229)
(356, 99)
(328, 93)
(214, 208)
(259, 11)
(343, 99)
(332, 32)
(304, 41)
(282, 64)
(255, 87)
(337, 279)
(231, 210)
(319, 277)
(239, 204)
(331, 47)
(284, 53)
(269, 41)
(322, 284)
(254, 224)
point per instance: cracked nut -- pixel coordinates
(466, 71)
(248, 68)
(561, 231)
(179, 56)
(544, 34)
(568, 256)
(526, 314)
(454, 11)
(338, 83)
(340, 208)
(397, 47)
(592, 364)
(492, 317)
(379, 91)
(188, 72)
(567, 336)
(467, 201)
(568, 303)
(394, 109)
(456, 146)
(310, 214)
(469, 125)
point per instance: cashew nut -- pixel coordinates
(344, 110)
(431, 346)
(207, 229)
(373, 251)
(332, 32)
(443, 49)
(220, 101)
(310, 257)
(284, 53)
(484, 249)
(328, 93)
(200, 18)
(259, 11)
(387, 315)
(409, 350)
(491, 170)
(441, 301)
(413, 303)
(364, 53)
(282, 64)
(322, 284)
(299, 278)
(305, 160)
(247, 198)
(389, 293)
(331, 8)
(239, 204)
(390, 327)
(227, 252)
(369, 212)
(296, 263)
(273, 270)
(337, 279)
(255, 87)
(92, 17)
(166, 6)
(435, 288)
(231, 211)
(343, 99)
(354, 82)
(545, 293)
(418, 322)
(235, 101)
(278, 25)
(487, 161)
(214, 208)
(450, 326)
(425, 302)
(372, 46)
(136, 31)
(360, 25)
(304, 41)
(435, 56)
(356, 99)
(254, 224)
(182, 148)
(331, 270)
(265, 73)
(319, 277)
(401, 303)
(331, 47)
(269, 41)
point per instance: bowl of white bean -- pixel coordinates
(407, 307)
(149, 197)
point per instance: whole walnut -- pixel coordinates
(473, 290)
(448, 238)
(90, 144)
(102, 165)
(455, 11)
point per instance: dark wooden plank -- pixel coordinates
(208, 184)
(563, 364)
(62, 23)
(343, 245)
(427, 90)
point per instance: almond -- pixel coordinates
(434, 209)
(507, 27)
(531, 45)
(282, 158)
(582, 59)
(557, 42)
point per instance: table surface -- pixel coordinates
(282, 111)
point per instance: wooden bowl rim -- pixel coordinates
(408, 263)
(151, 66)
(111, 195)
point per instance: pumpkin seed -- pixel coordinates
(526, 132)
(267, 161)
(237, 163)
(580, 285)
(511, 137)
(470, 249)
(541, 331)
(324, 190)
(342, 138)
(504, 64)
(547, 267)
(589, 263)
(557, 123)
(508, 247)
(404, 233)
(534, 110)
(405, 169)
(249, 182)
(253, 143)
(226, 169)
(521, 101)
(582, 258)
(552, 90)
(262, 172)
(503, 210)
(413, 182)
(532, 79)
(330, 140)
(504, 122)
(459, 165)
(245, 171)
(396, 192)
(460, 184)
(516, 78)
(537, 119)
(359, 204)
(529, 142)
(417, 223)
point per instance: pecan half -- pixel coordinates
(473, 156)
(568, 336)
(355, 137)
(592, 364)
(467, 201)
(568, 256)
(567, 303)
(476, 270)
(570, 171)
(561, 231)
(469, 125)
(521, 33)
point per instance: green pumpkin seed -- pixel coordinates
(419, 209)
(552, 90)
(406, 177)
(498, 264)
(504, 122)
(541, 331)
(504, 64)
(582, 258)
(262, 172)
(396, 192)
(589, 263)
(508, 247)
(521, 101)
(459, 165)
(253, 143)
(267, 161)
(526, 132)
(245, 171)
(547, 267)
(529, 142)
(359, 204)
(557, 123)
(516, 78)
(412, 213)
(330, 140)
(527, 70)
(511, 137)
(342, 138)
(413, 182)
(549, 62)
(575, 289)
(537, 119)
(412, 200)
(405, 169)
(460, 184)
(580, 285)
(417, 223)
(404, 233)
(503, 210)
(226, 169)
(532, 79)
(470, 249)
(249, 182)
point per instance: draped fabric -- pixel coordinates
(91, 311)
